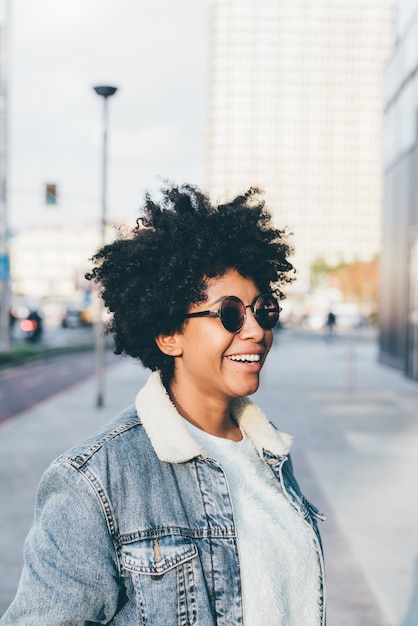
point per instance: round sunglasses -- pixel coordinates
(233, 312)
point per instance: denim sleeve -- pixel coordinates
(70, 573)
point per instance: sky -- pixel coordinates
(155, 52)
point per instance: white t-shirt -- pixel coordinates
(278, 558)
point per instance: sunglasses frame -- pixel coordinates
(252, 306)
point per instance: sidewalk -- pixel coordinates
(355, 424)
(355, 453)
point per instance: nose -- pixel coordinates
(251, 328)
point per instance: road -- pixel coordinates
(24, 386)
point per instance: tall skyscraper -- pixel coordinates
(295, 107)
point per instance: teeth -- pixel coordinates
(252, 358)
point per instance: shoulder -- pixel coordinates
(121, 432)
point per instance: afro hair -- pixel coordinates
(151, 276)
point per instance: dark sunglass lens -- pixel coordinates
(232, 314)
(267, 312)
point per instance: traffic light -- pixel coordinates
(51, 193)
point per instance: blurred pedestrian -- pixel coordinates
(35, 330)
(183, 510)
(330, 325)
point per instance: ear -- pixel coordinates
(169, 344)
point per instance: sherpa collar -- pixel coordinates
(171, 438)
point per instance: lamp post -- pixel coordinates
(105, 91)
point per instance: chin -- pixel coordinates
(249, 388)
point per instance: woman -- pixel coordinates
(184, 509)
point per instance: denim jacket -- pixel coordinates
(135, 526)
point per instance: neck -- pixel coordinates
(212, 417)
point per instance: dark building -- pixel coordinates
(399, 257)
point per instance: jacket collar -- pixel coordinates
(172, 440)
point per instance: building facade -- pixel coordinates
(48, 264)
(399, 260)
(295, 108)
(4, 250)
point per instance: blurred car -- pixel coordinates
(75, 318)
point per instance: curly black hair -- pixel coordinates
(150, 276)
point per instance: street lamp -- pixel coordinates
(105, 91)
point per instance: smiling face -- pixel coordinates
(212, 365)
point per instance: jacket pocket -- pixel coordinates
(157, 556)
(163, 575)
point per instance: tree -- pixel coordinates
(358, 281)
